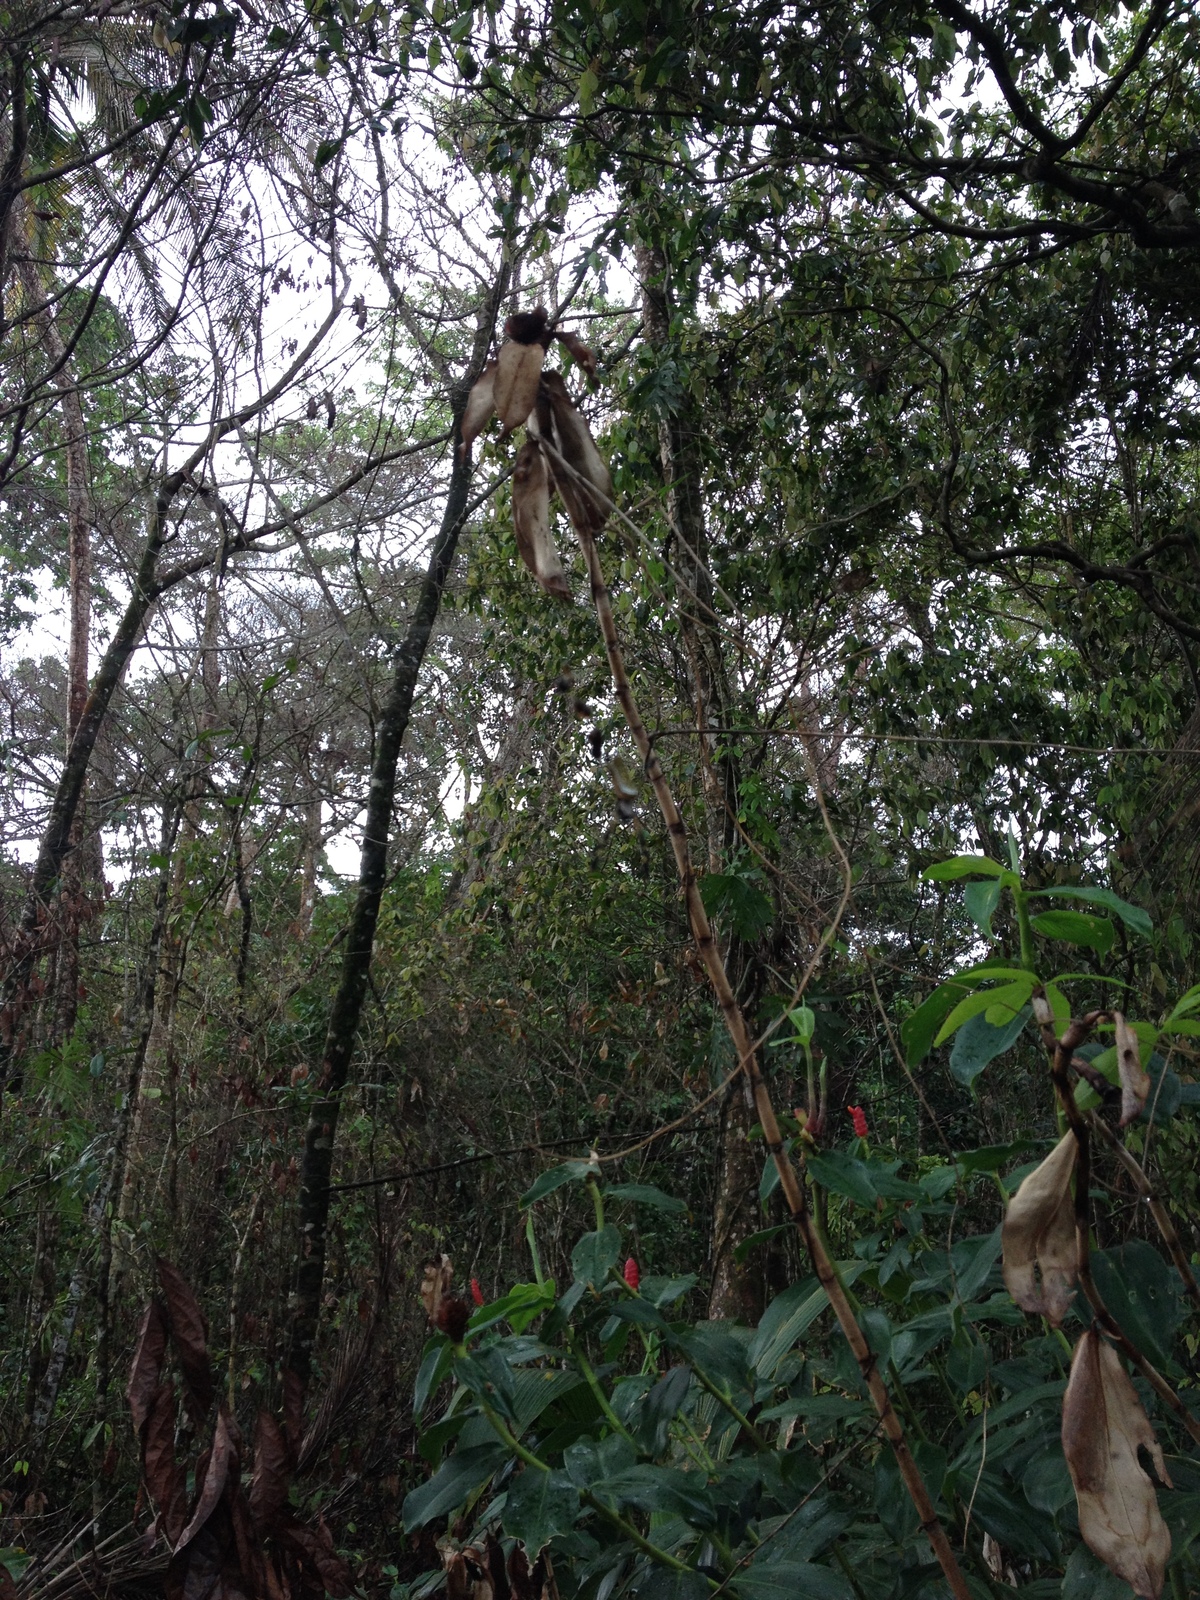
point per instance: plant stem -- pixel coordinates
(735, 1022)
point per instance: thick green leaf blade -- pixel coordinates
(452, 1483)
(963, 867)
(539, 1506)
(1132, 916)
(595, 1254)
(1076, 927)
(568, 1172)
(979, 1042)
(645, 1194)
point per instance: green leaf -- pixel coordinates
(788, 1318)
(452, 1483)
(595, 1254)
(433, 1371)
(659, 1490)
(522, 1303)
(991, 1157)
(1141, 1289)
(844, 1175)
(538, 1506)
(1076, 927)
(980, 1041)
(645, 1194)
(1133, 916)
(1007, 1000)
(568, 1172)
(738, 903)
(963, 867)
(981, 900)
(1087, 1578)
(917, 1031)
(791, 1580)
(659, 1408)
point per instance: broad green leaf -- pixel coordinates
(917, 1030)
(981, 900)
(522, 1303)
(1007, 1000)
(963, 867)
(658, 1489)
(979, 1041)
(538, 1506)
(1187, 1003)
(1076, 927)
(843, 1174)
(433, 1370)
(645, 1194)
(1087, 1578)
(991, 1157)
(1141, 1289)
(737, 902)
(568, 1172)
(452, 1483)
(1132, 916)
(659, 1407)
(595, 1254)
(788, 1318)
(791, 1580)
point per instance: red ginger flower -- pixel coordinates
(632, 1276)
(860, 1120)
(476, 1292)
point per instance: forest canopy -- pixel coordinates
(601, 678)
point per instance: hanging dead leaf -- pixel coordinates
(578, 351)
(481, 403)
(165, 1478)
(528, 327)
(316, 1547)
(147, 1364)
(623, 782)
(1135, 1081)
(438, 1276)
(293, 1411)
(1039, 1236)
(1103, 1428)
(585, 469)
(272, 1470)
(518, 372)
(222, 1463)
(531, 520)
(190, 1334)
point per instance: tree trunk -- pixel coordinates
(736, 1289)
(317, 1161)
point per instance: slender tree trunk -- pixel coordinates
(736, 1289)
(73, 893)
(317, 1161)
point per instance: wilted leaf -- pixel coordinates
(147, 1364)
(190, 1334)
(587, 469)
(1135, 1081)
(315, 1545)
(222, 1460)
(514, 391)
(438, 1276)
(578, 351)
(164, 1477)
(272, 1469)
(1103, 1428)
(481, 403)
(531, 520)
(1039, 1236)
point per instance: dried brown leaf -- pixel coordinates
(580, 352)
(293, 1411)
(1135, 1081)
(252, 1566)
(481, 404)
(528, 327)
(272, 1470)
(531, 521)
(147, 1364)
(1103, 1427)
(585, 467)
(518, 372)
(165, 1480)
(190, 1334)
(435, 1284)
(222, 1465)
(316, 1547)
(1039, 1236)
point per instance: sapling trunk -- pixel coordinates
(710, 954)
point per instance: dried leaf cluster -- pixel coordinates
(448, 1312)
(1104, 1425)
(226, 1542)
(559, 454)
(480, 1572)
(1039, 1237)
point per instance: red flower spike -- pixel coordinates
(476, 1292)
(632, 1276)
(860, 1120)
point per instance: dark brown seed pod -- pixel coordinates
(527, 327)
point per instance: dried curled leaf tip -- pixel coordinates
(481, 404)
(527, 327)
(578, 351)
(531, 521)
(1038, 1236)
(518, 372)
(435, 1285)
(1103, 1428)
(1135, 1080)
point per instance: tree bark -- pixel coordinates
(317, 1161)
(736, 1288)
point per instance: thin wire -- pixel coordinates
(931, 738)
